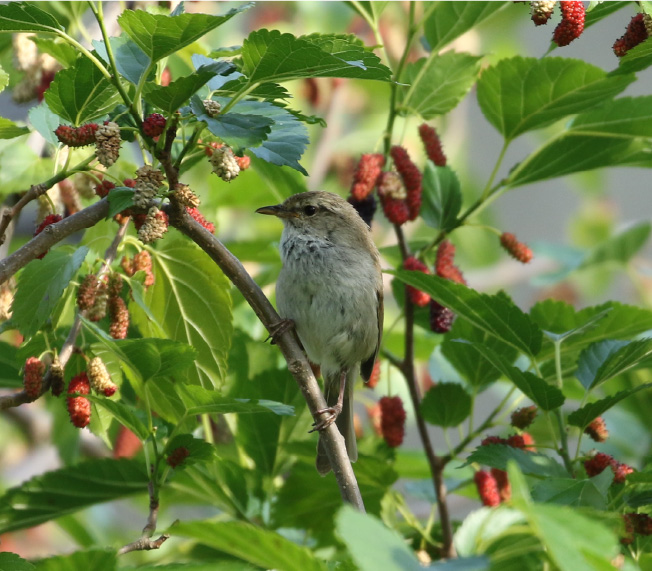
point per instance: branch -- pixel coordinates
(52, 234)
(297, 362)
(145, 542)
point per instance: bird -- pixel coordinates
(330, 288)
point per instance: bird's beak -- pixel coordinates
(276, 210)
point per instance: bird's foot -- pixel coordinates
(277, 329)
(332, 411)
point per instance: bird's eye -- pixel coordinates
(310, 210)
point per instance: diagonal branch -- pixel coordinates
(297, 362)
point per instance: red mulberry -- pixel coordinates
(392, 420)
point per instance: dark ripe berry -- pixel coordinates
(366, 207)
(596, 464)
(635, 34)
(493, 440)
(441, 318)
(504, 487)
(103, 188)
(412, 178)
(119, 315)
(177, 456)
(396, 210)
(523, 417)
(392, 420)
(154, 125)
(49, 219)
(77, 136)
(487, 488)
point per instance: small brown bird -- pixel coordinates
(331, 288)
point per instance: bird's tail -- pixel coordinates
(344, 421)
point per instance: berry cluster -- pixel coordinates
(212, 107)
(154, 125)
(77, 136)
(541, 11)
(524, 441)
(393, 196)
(142, 261)
(597, 430)
(417, 297)
(572, 19)
(366, 175)
(493, 487)
(103, 188)
(154, 227)
(69, 197)
(185, 196)
(392, 420)
(147, 184)
(49, 219)
(598, 462)
(522, 417)
(432, 144)
(79, 408)
(39, 68)
(33, 377)
(199, 217)
(637, 31)
(412, 178)
(636, 524)
(99, 378)
(56, 377)
(107, 143)
(441, 318)
(224, 163)
(518, 250)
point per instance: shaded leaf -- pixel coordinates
(441, 197)
(45, 122)
(628, 357)
(95, 559)
(9, 129)
(569, 492)
(70, 489)
(530, 463)
(496, 315)
(13, 562)
(81, 93)
(160, 35)
(62, 51)
(198, 450)
(520, 94)
(40, 286)
(438, 83)
(199, 400)
(446, 404)
(10, 366)
(191, 301)
(123, 413)
(120, 198)
(582, 417)
(592, 358)
(620, 248)
(261, 547)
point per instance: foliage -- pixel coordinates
(191, 409)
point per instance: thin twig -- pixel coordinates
(145, 542)
(297, 362)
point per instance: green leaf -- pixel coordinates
(582, 417)
(620, 248)
(446, 404)
(592, 358)
(70, 489)
(626, 116)
(372, 545)
(131, 61)
(124, 414)
(60, 50)
(120, 198)
(160, 35)
(170, 97)
(535, 388)
(438, 83)
(9, 129)
(615, 320)
(95, 559)
(576, 152)
(570, 492)
(81, 93)
(25, 17)
(261, 547)
(270, 56)
(628, 357)
(4, 79)
(40, 286)
(199, 400)
(441, 197)
(191, 301)
(198, 450)
(9, 366)
(45, 122)
(530, 463)
(636, 59)
(521, 94)
(471, 364)
(449, 20)
(496, 315)
(13, 562)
